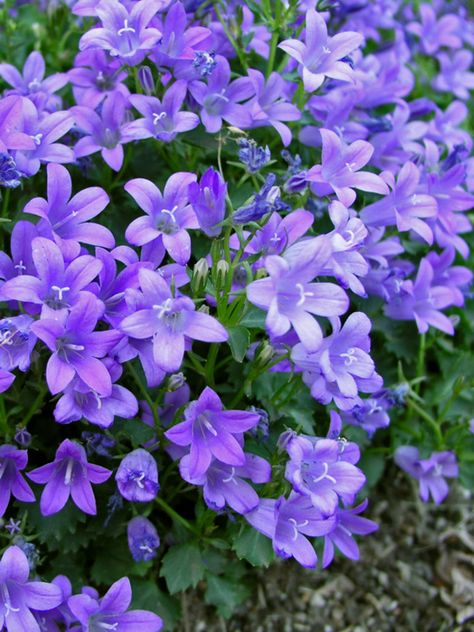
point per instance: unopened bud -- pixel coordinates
(264, 354)
(176, 381)
(145, 77)
(22, 437)
(222, 273)
(200, 274)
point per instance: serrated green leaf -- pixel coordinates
(147, 596)
(255, 548)
(239, 342)
(225, 594)
(182, 567)
(138, 432)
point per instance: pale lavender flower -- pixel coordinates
(11, 126)
(69, 474)
(17, 342)
(207, 198)
(10, 176)
(12, 461)
(430, 472)
(434, 33)
(95, 77)
(143, 539)
(137, 476)
(454, 75)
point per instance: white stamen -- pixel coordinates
(303, 294)
(107, 626)
(163, 308)
(73, 347)
(295, 526)
(349, 357)
(326, 50)
(98, 400)
(324, 475)
(350, 166)
(37, 138)
(68, 475)
(125, 29)
(171, 213)
(60, 290)
(207, 424)
(275, 239)
(157, 117)
(2, 467)
(231, 477)
(141, 486)
(20, 267)
(6, 600)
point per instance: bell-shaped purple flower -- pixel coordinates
(143, 539)
(69, 475)
(12, 461)
(137, 476)
(17, 342)
(207, 198)
(95, 76)
(430, 472)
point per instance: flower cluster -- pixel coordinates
(177, 285)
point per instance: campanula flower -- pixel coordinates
(95, 77)
(12, 461)
(430, 472)
(10, 176)
(267, 200)
(137, 476)
(455, 75)
(17, 342)
(207, 198)
(143, 539)
(434, 33)
(11, 124)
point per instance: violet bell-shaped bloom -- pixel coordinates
(434, 33)
(21, 261)
(321, 56)
(286, 522)
(12, 461)
(11, 126)
(211, 431)
(137, 476)
(406, 207)
(143, 539)
(457, 278)
(69, 474)
(77, 347)
(318, 470)
(105, 133)
(224, 484)
(220, 100)
(430, 473)
(455, 76)
(31, 82)
(339, 170)
(67, 218)
(421, 301)
(341, 366)
(19, 596)
(17, 342)
(55, 286)
(207, 198)
(348, 522)
(95, 77)
(10, 176)
(110, 612)
(125, 34)
(168, 322)
(163, 119)
(291, 298)
(168, 215)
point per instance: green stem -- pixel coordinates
(175, 516)
(420, 362)
(134, 373)
(429, 419)
(34, 408)
(234, 44)
(211, 363)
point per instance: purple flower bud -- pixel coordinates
(22, 437)
(253, 156)
(137, 477)
(9, 174)
(208, 201)
(143, 539)
(145, 77)
(204, 63)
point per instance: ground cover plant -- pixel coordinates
(235, 285)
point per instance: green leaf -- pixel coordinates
(373, 465)
(225, 594)
(254, 547)
(254, 319)
(147, 596)
(239, 341)
(138, 432)
(182, 567)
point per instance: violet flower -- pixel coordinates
(339, 170)
(454, 277)
(168, 322)
(291, 298)
(137, 476)
(430, 472)
(20, 596)
(17, 342)
(371, 414)
(434, 33)
(11, 124)
(110, 612)
(10, 176)
(96, 77)
(143, 539)
(321, 56)
(67, 218)
(224, 484)
(69, 474)
(454, 75)
(168, 215)
(267, 200)
(124, 33)
(220, 100)
(12, 461)
(21, 261)
(406, 207)
(348, 522)
(211, 431)
(163, 119)
(286, 522)
(207, 198)
(77, 347)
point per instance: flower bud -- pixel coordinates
(200, 274)
(208, 201)
(176, 381)
(264, 354)
(145, 77)
(221, 274)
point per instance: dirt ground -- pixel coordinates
(416, 574)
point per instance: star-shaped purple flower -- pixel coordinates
(12, 461)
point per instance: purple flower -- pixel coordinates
(143, 539)
(211, 431)
(169, 322)
(348, 522)
(105, 133)
(287, 522)
(21, 261)
(6, 380)
(67, 218)
(10, 176)
(77, 347)
(110, 612)
(405, 206)
(341, 366)
(455, 75)
(434, 33)
(371, 415)
(11, 124)
(69, 475)
(167, 216)
(20, 596)
(163, 119)
(125, 34)
(31, 83)
(95, 77)
(318, 470)
(340, 169)
(290, 297)
(12, 461)
(220, 99)
(430, 473)
(454, 277)
(270, 107)
(137, 477)
(56, 286)
(321, 56)
(17, 342)
(207, 198)
(422, 301)
(224, 484)
(267, 200)
(253, 156)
